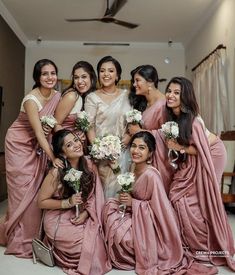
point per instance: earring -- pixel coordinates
(149, 161)
(149, 88)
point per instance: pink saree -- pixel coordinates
(147, 239)
(24, 174)
(196, 197)
(80, 249)
(154, 116)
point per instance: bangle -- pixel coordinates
(66, 204)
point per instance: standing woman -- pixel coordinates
(24, 167)
(72, 100)
(194, 191)
(146, 97)
(107, 107)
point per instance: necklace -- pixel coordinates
(109, 94)
(45, 97)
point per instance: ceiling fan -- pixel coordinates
(109, 16)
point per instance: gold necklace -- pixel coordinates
(107, 93)
(45, 97)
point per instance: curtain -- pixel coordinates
(210, 84)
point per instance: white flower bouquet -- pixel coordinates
(48, 120)
(82, 122)
(170, 129)
(72, 177)
(107, 148)
(126, 181)
(134, 116)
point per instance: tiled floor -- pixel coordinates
(11, 265)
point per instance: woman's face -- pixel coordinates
(82, 80)
(72, 147)
(140, 84)
(139, 151)
(48, 78)
(173, 97)
(107, 74)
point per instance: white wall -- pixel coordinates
(218, 30)
(65, 55)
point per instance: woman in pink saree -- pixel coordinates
(79, 246)
(72, 100)
(194, 191)
(24, 167)
(146, 97)
(146, 238)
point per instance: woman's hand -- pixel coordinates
(173, 144)
(125, 198)
(76, 199)
(125, 140)
(46, 129)
(133, 129)
(81, 219)
(81, 135)
(58, 163)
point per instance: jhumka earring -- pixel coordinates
(149, 161)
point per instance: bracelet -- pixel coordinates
(65, 204)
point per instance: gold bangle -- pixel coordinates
(65, 204)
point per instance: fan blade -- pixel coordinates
(116, 6)
(83, 20)
(125, 24)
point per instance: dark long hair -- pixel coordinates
(150, 74)
(189, 109)
(117, 65)
(87, 177)
(88, 68)
(37, 70)
(147, 137)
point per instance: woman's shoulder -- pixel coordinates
(93, 96)
(150, 171)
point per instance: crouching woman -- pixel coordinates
(78, 246)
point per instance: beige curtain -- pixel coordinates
(210, 84)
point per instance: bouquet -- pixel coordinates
(49, 121)
(46, 121)
(72, 177)
(107, 148)
(170, 129)
(82, 122)
(134, 116)
(125, 181)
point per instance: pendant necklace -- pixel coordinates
(109, 94)
(44, 97)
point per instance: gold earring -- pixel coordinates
(149, 161)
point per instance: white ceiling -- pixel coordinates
(160, 20)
